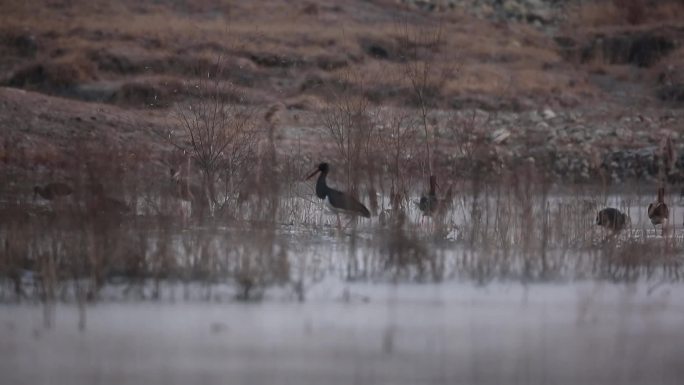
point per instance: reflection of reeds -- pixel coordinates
(407, 256)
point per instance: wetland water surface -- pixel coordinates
(362, 333)
(495, 297)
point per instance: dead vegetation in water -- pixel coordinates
(511, 227)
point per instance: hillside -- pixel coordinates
(116, 71)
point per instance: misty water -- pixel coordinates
(431, 301)
(360, 333)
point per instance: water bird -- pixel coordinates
(658, 211)
(338, 201)
(428, 204)
(612, 219)
(52, 190)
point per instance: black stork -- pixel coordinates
(52, 190)
(612, 219)
(658, 212)
(339, 201)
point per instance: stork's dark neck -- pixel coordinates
(321, 186)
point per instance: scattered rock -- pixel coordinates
(536, 12)
(535, 117)
(499, 136)
(548, 114)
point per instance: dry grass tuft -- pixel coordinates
(54, 75)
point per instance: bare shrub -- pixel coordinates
(220, 136)
(398, 134)
(427, 72)
(350, 125)
(474, 154)
(260, 191)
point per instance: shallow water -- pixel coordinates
(361, 333)
(491, 312)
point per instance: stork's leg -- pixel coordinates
(425, 218)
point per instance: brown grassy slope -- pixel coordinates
(142, 54)
(632, 49)
(277, 51)
(44, 131)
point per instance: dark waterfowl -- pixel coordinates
(338, 201)
(658, 212)
(612, 219)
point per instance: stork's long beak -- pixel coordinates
(313, 173)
